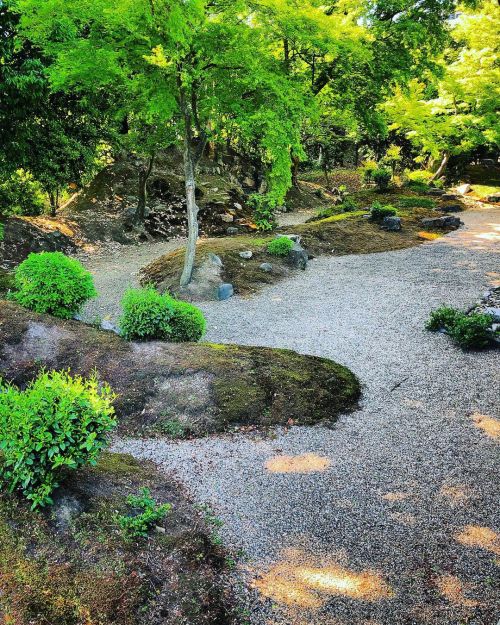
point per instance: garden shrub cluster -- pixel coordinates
(469, 331)
(263, 211)
(21, 195)
(378, 212)
(59, 422)
(138, 525)
(149, 315)
(281, 246)
(50, 282)
(382, 177)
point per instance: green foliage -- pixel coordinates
(263, 211)
(2, 232)
(187, 322)
(348, 205)
(173, 428)
(146, 315)
(392, 157)
(367, 169)
(50, 282)
(381, 177)
(138, 525)
(21, 195)
(416, 202)
(378, 212)
(281, 246)
(418, 177)
(58, 423)
(471, 331)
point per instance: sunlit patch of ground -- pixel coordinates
(455, 495)
(297, 580)
(489, 425)
(494, 277)
(46, 223)
(429, 236)
(478, 536)
(305, 463)
(395, 496)
(405, 519)
(454, 590)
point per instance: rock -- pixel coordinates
(488, 162)
(249, 182)
(247, 255)
(495, 197)
(110, 327)
(450, 208)
(232, 230)
(225, 291)
(494, 312)
(442, 222)
(227, 218)
(298, 257)
(391, 224)
(435, 191)
(448, 196)
(207, 278)
(296, 238)
(238, 206)
(464, 188)
(65, 509)
(267, 267)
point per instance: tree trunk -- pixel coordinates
(192, 207)
(144, 174)
(295, 171)
(442, 167)
(54, 201)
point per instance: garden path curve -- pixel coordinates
(390, 517)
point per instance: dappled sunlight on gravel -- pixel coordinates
(480, 537)
(305, 463)
(489, 425)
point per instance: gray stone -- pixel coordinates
(227, 218)
(267, 267)
(296, 238)
(238, 206)
(494, 312)
(450, 208)
(448, 196)
(205, 282)
(442, 222)
(247, 255)
(65, 509)
(391, 224)
(298, 257)
(232, 230)
(495, 197)
(435, 191)
(225, 291)
(464, 188)
(109, 326)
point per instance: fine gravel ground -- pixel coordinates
(391, 516)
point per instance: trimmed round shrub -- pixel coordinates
(281, 246)
(146, 315)
(472, 331)
(381, 177)
(378, 212)
(443, 318)
(50, 282)
(187, 322)
(58, 423)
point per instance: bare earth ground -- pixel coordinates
(390, 517)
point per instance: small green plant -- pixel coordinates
(146, 315)
(416, 202)
(2, 232)
(50, 282)
(348, 205)
(58, 423)
(281, 246)
(263, 211)
(137, 525)
(382, 177)
(472, 331)
(378, 212)
(173, 428)
(214, 522)
(367, 170)
(443, 318)
(187, 322)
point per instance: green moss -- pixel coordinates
(118, 465)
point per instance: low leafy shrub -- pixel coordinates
(281, 246)
(187, 322)
(382, 177)
(348, 205)
(378, 212)
(50, 282)
(263, 211)
(443, 317)
(146, 315)
(472, 331)
(418, 177)
(58, 423)
(416, 202)
(367, 169)
(138, 525)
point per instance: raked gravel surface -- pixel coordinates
(397, 522)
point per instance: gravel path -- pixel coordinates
(397, 524)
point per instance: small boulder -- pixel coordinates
(296, 238)
(495, 197)
(266, 267)
(238, 206)
(298, 257)
(109, 326)
(448, 196)
(441, 222)
(227, 218)
(232, 230)
(247, 255)
(494, 312)
(435, 191)
(450, 208)
(225, 291)
(464, 188)
(391, 224)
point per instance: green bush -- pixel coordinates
(367, 170)
(187, 322)
(416, 202)
(146, 315)
(50, 282)
(418, 177)
(472, 331)
(348, 205)
(442, 318)
(382, 177)
(138, 525)
(281, 246)
(58, 423)
(378, 212)
(21, 195)
(263, 211)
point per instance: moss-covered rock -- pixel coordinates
(205, 387)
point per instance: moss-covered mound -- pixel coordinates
(72, 565)
(192, 388)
